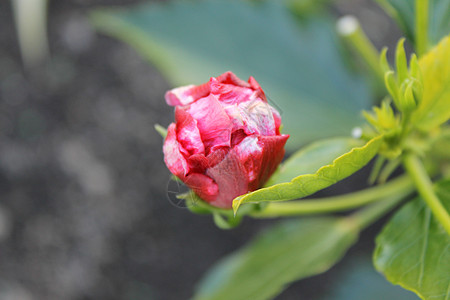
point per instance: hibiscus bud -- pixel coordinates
(226, 138)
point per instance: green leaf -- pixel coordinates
(311, 158)
(357, 280)
(298, 64)
(289, 251)
(434, 109)
(325, 175)
(404, 13)
(413, 250)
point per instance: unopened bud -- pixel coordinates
(408, 103)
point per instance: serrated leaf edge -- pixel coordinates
(375, 142)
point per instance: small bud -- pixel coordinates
(347, 25)
(385, 115)
(210, 148)
(408, 103)
(400, 61)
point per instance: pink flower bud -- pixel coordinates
(226, 140)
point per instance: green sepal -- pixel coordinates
(161, 130)
(226, 222)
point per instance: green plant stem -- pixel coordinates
(421, 26)
(419, 175)
(402, 185)
(368, 215)
(361, 44)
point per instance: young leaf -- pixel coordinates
(434, 108)
(287, 252)
(311, 158)
(190, 41)
(413, 250)
(307, 184)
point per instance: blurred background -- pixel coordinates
(84, 212)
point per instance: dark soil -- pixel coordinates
(83, 207)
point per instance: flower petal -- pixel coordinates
(249, 153)
(203, 186)
(212, 121)
(230, 78)
(257, 117)
(188, 134)
(230, 93)
(186, 94)
(173, 158)
(273, 152)
(231, 179)
(257, 88)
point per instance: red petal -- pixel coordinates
(231, 180)
(173, 158)
(250, 154)
(212, 121)
(187, 94)
(197, 163)
(255, 86)
(188, 134)
(230, 93)
(273, 152)
(257, 117)
(203, 186)
(230, 78)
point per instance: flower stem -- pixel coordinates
(402, 185)
(348, 27)
(366, 216)
(419, 175)
(421, 26)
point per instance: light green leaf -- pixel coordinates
(287, 252)
(413, 250)
(435, 106)
(298, 64)
(404, 13)
(311, 158)
(325, 175)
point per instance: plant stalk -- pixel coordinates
(422, 7)
(400, 186)
(348, 27)
(368, 215)
(419, 175)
